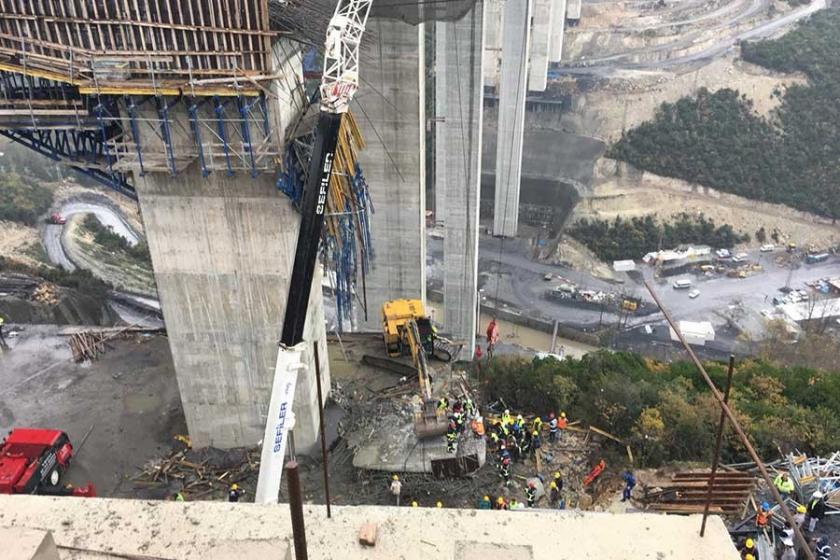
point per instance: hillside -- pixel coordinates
(719, 140)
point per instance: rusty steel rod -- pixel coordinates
(735, 425)
(718, 442)
(296, 510)
(323, 433)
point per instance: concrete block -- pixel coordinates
(20, 543)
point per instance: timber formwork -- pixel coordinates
(158, 47)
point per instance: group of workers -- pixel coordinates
(463, 410)
(516, 440)
(806, 518)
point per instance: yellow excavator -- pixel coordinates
(406, 329)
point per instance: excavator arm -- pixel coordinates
(418, 354)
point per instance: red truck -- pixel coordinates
(57, 219)
(33, 461)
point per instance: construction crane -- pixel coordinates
(339, 83)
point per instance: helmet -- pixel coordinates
(395, 477)
(818, 494)
(801, 509)
(562, 415)
(557, 475)
(536, 433)
(749, 543)
(787, 541)
(519, 417)
(507, 412)
(439, 504)
(553, 485)
(486, 498)
(749, 557)
(414, 504)
(500, 500)
(234, 487)
(765, 506)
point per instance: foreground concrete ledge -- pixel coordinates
(214, 530)
(20, 543)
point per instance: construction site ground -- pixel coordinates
(129, 396)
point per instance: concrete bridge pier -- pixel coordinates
(222, 249)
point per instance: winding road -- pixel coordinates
(104, 212)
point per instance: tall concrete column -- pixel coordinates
(222, 249)
(516, 39)
(459, 100)
(390, 110)
(492, 41)
(558, 27)
(543, 22)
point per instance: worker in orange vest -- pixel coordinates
(562, 424)
(762, 518)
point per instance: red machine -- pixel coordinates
(57, 219)
(33, 461)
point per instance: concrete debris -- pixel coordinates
(367, 534)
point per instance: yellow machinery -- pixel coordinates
(407, 330)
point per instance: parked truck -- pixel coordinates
(34, 461)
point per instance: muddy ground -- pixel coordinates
(129, 395)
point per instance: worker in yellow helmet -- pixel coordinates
(749, 550)
(439, 504)
(485, 503)
(414, 504)
(235, 493)
(396, 487)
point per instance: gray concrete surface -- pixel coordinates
(516, 32)
(542, 26)
(558, 28)
(458, 143)
(28, 544)
(180, 531)
(130, 397)
(390, 110)
(222, 250)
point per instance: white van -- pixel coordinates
(682, 284)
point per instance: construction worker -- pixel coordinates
(537, 425)
(2, 322)
(485, 503)
(235, 493)
(494, 438)
(562, 424)
(762, 517)
(629, 484)
(553, 493)
(443, 404)
(492, 337)
(504, 470)
(515, 449)
(506, 420)
(469, 406)
(516, 504)
(519, 422)
(439, 504)
(784, 485)
(477, 360)
(749, 550)
(552, 427)
(451, 437)
(396, 487)
(531, 494)
(503, 451)
(414, 503)
(799, 516)
(822, 549)
(558, 479)
(815, 510)
(501, 503)
(536, 443)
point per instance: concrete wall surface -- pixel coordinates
(390, 110)
(543, 23)
(184, 530)
(558, 28)
(223, 249)
(458, 97)
(516, 39)
(27, 544)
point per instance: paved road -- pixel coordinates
(106, 215)
(605, 66)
